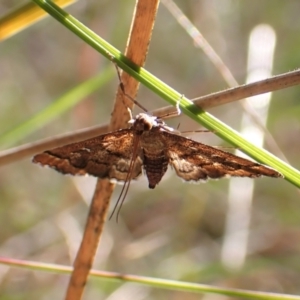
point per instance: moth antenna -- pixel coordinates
(123, 199)
(126, 184)
(123, 89)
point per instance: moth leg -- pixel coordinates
(178, 111)
(122, 87)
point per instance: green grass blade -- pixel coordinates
(169, 94)
(23, 17)
(151, 282)
(58, 107)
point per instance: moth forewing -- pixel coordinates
(151, 144)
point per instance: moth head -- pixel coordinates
(143, 122)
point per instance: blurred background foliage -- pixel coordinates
(177, 230)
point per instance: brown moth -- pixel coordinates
(150, 145)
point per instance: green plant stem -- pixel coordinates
(151, 282)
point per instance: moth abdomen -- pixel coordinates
(155, 167)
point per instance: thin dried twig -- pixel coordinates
(272, 84)
(137, 48)
(275, 83)
(30, 149)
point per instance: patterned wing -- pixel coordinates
(195, 161)
(105, 156)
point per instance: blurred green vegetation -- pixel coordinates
(175, 231)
